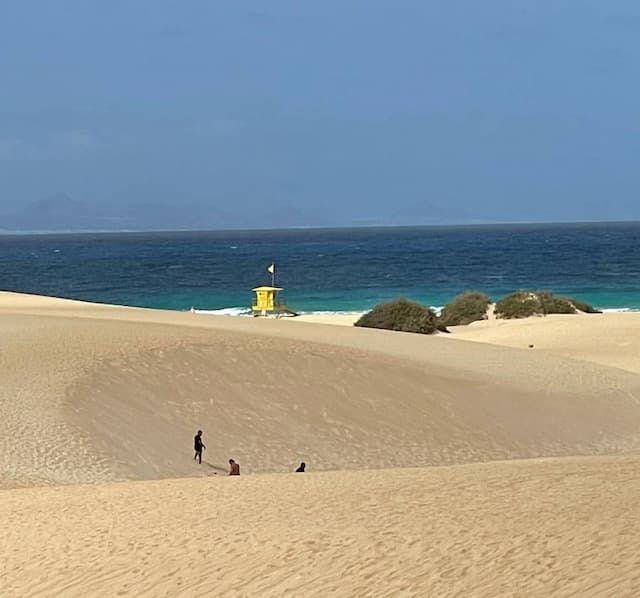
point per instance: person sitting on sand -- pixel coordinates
(234, 468)
(301, 467)
(198, 446)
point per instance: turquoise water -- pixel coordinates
(328, 270)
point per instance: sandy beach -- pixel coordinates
(521, 460)
(334, 319)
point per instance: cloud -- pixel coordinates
(11, 148)
(625, 22)
(217, 127)
(263, 19)
(70, 143)
(174, 31)
(517, 32)
(80, 139)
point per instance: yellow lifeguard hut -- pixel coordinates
(266, 302)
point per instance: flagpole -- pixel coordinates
(272, 270)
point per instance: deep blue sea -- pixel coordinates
(337, 270)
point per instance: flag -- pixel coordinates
(271, 269)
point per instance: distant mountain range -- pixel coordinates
(63, 213)
(54, 213)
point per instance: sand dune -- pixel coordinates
(611, 339)
(96, 394)
(559, 528)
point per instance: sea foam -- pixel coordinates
(226, 311)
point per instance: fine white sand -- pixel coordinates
(561, 528)
(107, 396)
(335, 319)
(611, 339)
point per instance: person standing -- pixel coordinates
(198, 446)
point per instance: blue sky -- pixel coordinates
(323, 113)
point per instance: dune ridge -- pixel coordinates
(609, 339)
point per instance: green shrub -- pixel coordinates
(521, 304)
(402, 315)
(554, 305)
(467, 307)
(524, 304)
(585, 307)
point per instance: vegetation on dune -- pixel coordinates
(401, 315)
(554, 305)
(523, 304)
(467, 307)
(585, 307)
(471, 306)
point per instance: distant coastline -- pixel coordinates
(337, 227)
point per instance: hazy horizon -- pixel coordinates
(170, 116)
(311, 228)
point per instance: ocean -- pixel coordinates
(338, 270)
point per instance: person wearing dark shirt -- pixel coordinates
(301, 467)
(234, 468)
(198, 446)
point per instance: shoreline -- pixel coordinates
(611, 338)
(339, 316)
(22, 301)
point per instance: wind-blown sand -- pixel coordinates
(611, 339)
(560, 528)
(95, 394)
(335, 319)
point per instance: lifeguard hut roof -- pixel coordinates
(267, 289)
